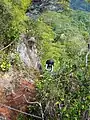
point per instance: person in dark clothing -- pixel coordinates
(49, 65)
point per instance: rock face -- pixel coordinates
(28, 52)
(38, 6)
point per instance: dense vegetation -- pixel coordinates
(62, 36)
(65, 93)
(12, 20)
(12, 25)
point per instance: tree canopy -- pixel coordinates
(61, 35)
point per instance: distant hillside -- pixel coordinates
(80, 4)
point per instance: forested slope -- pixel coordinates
(61, 34)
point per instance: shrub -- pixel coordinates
(12, 20)
(65, 95)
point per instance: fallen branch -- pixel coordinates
(7, 46)
(14, 109)
(35, 103)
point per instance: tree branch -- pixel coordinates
(7, 46)
(35, 103)
(14, 109)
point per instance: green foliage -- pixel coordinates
(59, 36)
(45, 36)
(68, 25)
(7, 60)
(87, 0)
(5, 20)
(68, 88)
(20, 117)
(12, 20)
(64, 3)
(14, 59)
(5, 65)
(4, 62)
(69, 83)
(81, 19)
(44, 31)
(12, 25)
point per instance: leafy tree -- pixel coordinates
(64, 94)
(12, 17)
(5, 20)
(12, 25)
